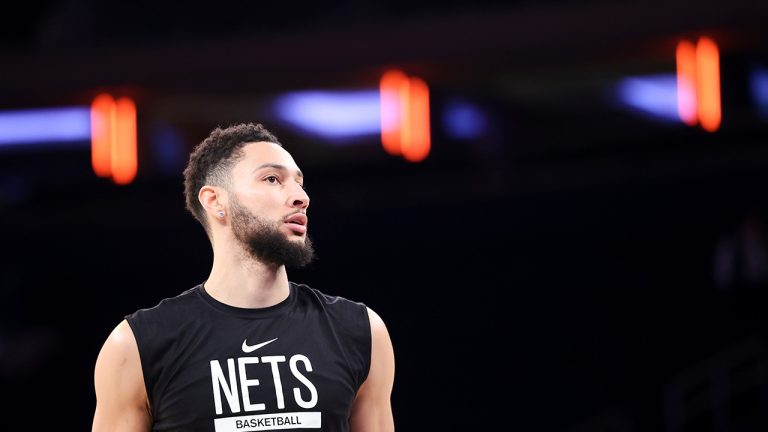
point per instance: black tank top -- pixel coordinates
(296, 365)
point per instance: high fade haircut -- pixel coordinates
(211, 162)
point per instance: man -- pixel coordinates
(247, 350)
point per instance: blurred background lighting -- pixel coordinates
(416, 136)
(405, 116)
(655, 96)
(333, 115)
(698, 83)
(393, 86)
(124, 155)
(114, 145)
(66, 126)
(708, 74)
(103, 117)
(168, 147)
(685, 57)
(758, 83)
(463, 120)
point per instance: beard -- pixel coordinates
(264, 241)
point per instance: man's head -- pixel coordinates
(240, 177)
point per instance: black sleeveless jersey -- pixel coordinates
(296, 365)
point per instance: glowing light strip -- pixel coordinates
(114, 138)
(685, 56)
(405, 121)
(103, 112)
(654, 95)
(419, 143)
(45, 126)
(124, 156)
(708, 68)
(333, 115)
(393, 88)
(698, 83)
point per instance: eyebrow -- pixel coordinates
(279, 167)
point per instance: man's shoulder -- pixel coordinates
(169, 304)
(326, 299)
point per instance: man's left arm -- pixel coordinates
(372, 409)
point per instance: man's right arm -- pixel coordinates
(121, 397)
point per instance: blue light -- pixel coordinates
(332, 115)
(169, 147)
(45, 126)
(463, 120)
(655, 96)
(758, 81)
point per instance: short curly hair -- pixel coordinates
(211, 161)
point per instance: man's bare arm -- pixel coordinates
(121, 397)
(372, 409)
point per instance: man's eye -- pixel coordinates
(272, 179)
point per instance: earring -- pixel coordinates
(221, 214)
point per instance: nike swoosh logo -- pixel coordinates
(251, 348)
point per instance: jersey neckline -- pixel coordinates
(248, 312)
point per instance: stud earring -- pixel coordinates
(221, 214)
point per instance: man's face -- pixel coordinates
(268, 206)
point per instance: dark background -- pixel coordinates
(573, 267)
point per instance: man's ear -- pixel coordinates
(214, 201)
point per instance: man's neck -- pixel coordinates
(239, 280)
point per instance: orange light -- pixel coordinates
(698, 83)
(406, 139)
(124, 157)
(102, 113)
(419, 142)
(708, 67)
(391, 89)
(405, 129)
(686, 82)
(114, 138)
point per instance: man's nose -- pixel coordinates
(299, 198)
